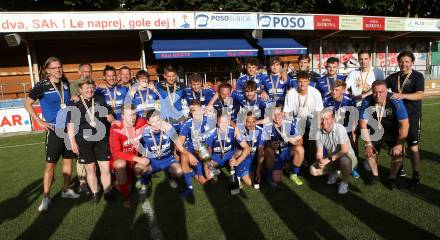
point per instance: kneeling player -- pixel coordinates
(193, 135)
(253, 135)
(124, 143)
(283, 143)
(223, 142)
(157, 140)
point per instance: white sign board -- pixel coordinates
(212, 20)
(285, 21)
(94, 21)
(14, 120)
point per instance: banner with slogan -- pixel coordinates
(213, 20)
(14, 120)
(94, 21)
(285, 21)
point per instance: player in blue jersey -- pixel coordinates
(173, 103)
(343, 106)
(196, 90)
(251, 102)
(252, 75)
(387, 120)
(250, 168)
(283, 143)
(113, 93)
(144, 97)
(193, 136)
(53, 94)
(325, 83)
(125, 78)
(274, 84)
(223, 101)
(159, 141)
(223, 142)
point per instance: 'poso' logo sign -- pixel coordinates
(226, 21)
(283, 22)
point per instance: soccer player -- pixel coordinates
(283, 143)
(252, 75)
(193, 136)
(196, 90)
(408, 85)
(144, 98)
(172, 98)
(383, 115)
(124, 143)
(223, 142)
(334, 151)
(113, 94)
(304, 65)
(125, 78)
(84, 70)
(53, 95)
(159, 140)
(274, 84)
(324, 83)
(341, 103)
(304, 105)
(88, 116)
(250, 169)
(251, 102)
(223, 101)
(359, 81)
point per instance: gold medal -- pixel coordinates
(63, 106)
(88, 112)
(400, 90)
(380, 110)
(158, 148)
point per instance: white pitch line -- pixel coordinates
(430, 104)
(21, 145)
(155, 232)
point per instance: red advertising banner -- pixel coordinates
(35, 125)
(374, 24)
(326, 22)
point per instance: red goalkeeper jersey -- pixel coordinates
(124, 142)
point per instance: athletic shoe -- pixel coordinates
(173, 183)
(69, 193)
(108, 197)
(414, 181)
(94, 199)
(371, 180)
(392, 183)
(44, 204)
(355, 173)
(343, 188)
(332, 178)
(83, 189)
(295, 178)
(187, 193)
(401, 172)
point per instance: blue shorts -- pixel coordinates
(162, 164)
(223, 161)
(245, 167)
(281, 158)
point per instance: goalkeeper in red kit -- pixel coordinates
(125, 160)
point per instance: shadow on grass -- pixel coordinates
(421, 191)
(169, 211)
(13, 207)
(48, 222)
(116, 221)
(301, 219)
(234, 218)
(385, 224)
(427, 155)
